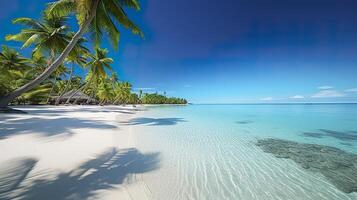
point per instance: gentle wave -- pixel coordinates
(206, 160)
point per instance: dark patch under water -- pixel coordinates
(347, 144)
(345, 136)
(340, 135)
(244, 122)
(313, 135)
(339, 167)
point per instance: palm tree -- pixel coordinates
(48, 36)
(105, 91)
(122, 92)
(133, 98)
(39, 63)
(140, 96)
(74, 60)
(16, 70)
(60, 71)
(95, 16)
(11, 62)
(113, 79)
(78, 58)
(140, 93)
(98, 65)
(10, 59)
(36, 95)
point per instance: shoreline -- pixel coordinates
(53, 145)
(110, 152)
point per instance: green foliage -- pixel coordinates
(15, 71)
(175, 100)
(12, 65)
(109, 13)
(122, 92)
(98, 65)
(161, 99)
(105, 91)
(36, 95)
(49, 36)
(133, 99)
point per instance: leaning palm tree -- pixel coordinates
(48, 36)
(78, 58)
(95, 16)
(39, 63)
(60, 71)
(74, 60)
(35, 95)
(98, 65)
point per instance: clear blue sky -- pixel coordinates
(233, 51)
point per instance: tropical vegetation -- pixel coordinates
(161, 99)
(49, 72)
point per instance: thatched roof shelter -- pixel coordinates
(79, 98)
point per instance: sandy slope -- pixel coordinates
(73, 152)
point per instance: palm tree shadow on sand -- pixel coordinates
(104, 172)
(35, 110)
(13, 173)
(48, 127)
(154, 121)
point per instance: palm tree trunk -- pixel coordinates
(116, 100)
(84, 89)
(79, 89)
(102, 102)
(5, 100)
(87, 85)
(52, 56)
(67, 85)
(53, 86)
(91, 96)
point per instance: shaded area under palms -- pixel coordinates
(48, 127)
(13, 173)
(105, 172)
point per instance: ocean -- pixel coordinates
(211, 151)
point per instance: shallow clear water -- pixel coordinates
(209, 151)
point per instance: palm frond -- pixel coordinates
(28, 22)
(117, 12)
(31, 40)
(61, 8)
(130, 4)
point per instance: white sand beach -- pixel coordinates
(72, 152)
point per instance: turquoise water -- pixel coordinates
(209, 151)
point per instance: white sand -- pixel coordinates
(71, 152)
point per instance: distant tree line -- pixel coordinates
(161, 99)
